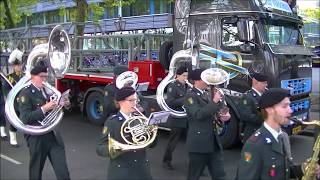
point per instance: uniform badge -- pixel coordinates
(22, 99)
(106, 93)
(190, 100)
(169, 89)
(120, 118)
(247, 156)
(272, 171)
(245, 102)
(268, 140)
(198, 94)
(32, 91)
(105, 130)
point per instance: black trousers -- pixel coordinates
(40, 148)
(213, 161)
(2, 116)
(174, 137)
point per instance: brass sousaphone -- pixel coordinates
(58, 51)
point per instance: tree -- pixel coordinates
(310, 14)
(11, 13)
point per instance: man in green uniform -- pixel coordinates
(264, 154)
(13, 79)
(203, 143)
(34, 105)
(249, 114)
(15, 59)
(110, 105)
(176, 91)
(131, 164)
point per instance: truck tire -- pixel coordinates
(165, 54)
(95, 108)
(229, 135)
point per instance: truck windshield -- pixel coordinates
(282, 34)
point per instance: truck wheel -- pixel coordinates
(229, 132)
(94, 108)
(165, 54)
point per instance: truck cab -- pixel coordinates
(243, 37)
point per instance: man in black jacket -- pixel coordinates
(131, 164)
(203, 143)
(176, 92)
(250, 114)
(265, 155)
(34, 105)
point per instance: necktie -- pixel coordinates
(44, 94)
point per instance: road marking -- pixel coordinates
(10, 159)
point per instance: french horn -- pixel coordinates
(58, 51)
(137, 134)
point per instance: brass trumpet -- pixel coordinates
(140, 132)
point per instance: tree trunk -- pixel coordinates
(9, 23)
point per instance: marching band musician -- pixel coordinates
(250, 115)
(175, 98)
(203, 144)
(15, 59)
(34, 105)
(109, 92)
(13, 79)
(264, 155)
(132, 164)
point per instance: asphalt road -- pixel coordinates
(81, 139)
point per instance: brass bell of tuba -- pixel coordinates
(137, 134)
(58, 51)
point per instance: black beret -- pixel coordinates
(123, 93)
(16, 62)
(195, 74)
(273, 96)
(260, 77)
(119, 69)
(39, 68)
(181, 70)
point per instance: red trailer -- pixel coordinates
(91, 68)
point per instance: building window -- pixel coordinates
(163, 7)
(53, 17)
(37, 19)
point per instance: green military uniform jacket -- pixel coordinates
(176, 92)
(31, 100)
(130, 165)
(201, 110)
(250, 115)
(262, 157)
(110, 105)
(14, 78)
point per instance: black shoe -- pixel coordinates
(167, 165)
(4, 138)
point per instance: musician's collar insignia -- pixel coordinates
(247, 156)
(169, 89)
(105, 130)
(254, 94)
(22, 99)
(120, 118)
(106, 93)
(198, 94)
(268, 140)
(32, 90)
(190, 100)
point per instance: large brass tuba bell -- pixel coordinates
(58, 51)
(137, 134)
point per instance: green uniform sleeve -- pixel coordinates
(249, 167)
(249, 113)
(109, 100)
(197, 111)
(102, 147)
(29, 114)
(173, 99)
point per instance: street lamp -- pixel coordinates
(120, 24)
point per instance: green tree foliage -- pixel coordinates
(11, 12)
(310, 14)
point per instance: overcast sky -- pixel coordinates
(307, 3)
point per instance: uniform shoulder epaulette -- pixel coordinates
(255, 136)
